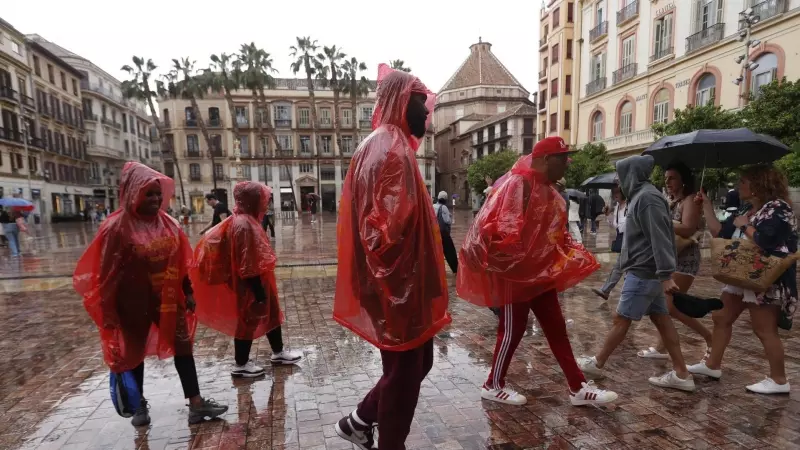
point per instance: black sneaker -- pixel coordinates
(352, 429)
(141, 417)
(207, 411)
(601, 294)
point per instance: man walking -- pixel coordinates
(220, 212)
(648, 259)
(445, 221)
(391, 288)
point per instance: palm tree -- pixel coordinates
(334, 58)
(399, 64)
(138, 88)
(309, 62)
(192, 87)
(353, 85)
(223, 78)
(255, 66)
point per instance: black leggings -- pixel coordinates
(241, 347)
(187, 372)
(450, 253)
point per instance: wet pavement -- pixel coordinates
(54, 385)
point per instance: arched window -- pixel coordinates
(765, 73)
(706, 90)
(597, 126)
(625, 118)
(661, 107)
(213, 116)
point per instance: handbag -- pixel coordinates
(125, 393)
(616, 246)
(741, 263)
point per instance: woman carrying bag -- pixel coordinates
(771, 225)
(616, 220)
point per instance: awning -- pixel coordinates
(285, 190)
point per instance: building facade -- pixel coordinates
(556, 80)
(479, 90)
(117, 129)
(294, 169)
(641, 60)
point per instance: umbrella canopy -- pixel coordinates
(716, 149)
(574, 193)
(16, 203)
(602, 181)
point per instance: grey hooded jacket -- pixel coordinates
(648, 249)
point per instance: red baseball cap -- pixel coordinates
(552, 145)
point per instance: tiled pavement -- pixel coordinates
(54, 386)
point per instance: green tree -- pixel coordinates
(492, 166)
(309, 62)
(591, 160)
(399, 64)
(354, 85)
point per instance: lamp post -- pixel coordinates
(749, 18)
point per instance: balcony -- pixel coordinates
(102, 90)
(596, 86)
(214, 122)
(542, 105)
(542, 74)
(10, 134)
(190, 123)
(37, 142)
(542, 43)
(218, 153)
(306, 153)
(599, 31)
(242, 122)
(195, 177)
(637, 139)
(662, 53)
(284, 153)
(303, 124)
(624, 73)
(346, 124)
(8, 94)
(283, 123)
(95, 181)
(27, 102)
(325, 122)
(706, 37)
(87, 116)
(365, 124)
(766, 10)
(627, 13)
(192, 154)
(44, 111)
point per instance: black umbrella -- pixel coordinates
(716, 149)
(602, 181)
(574, 193)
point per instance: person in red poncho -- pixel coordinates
(391, 288)
(135, 286)
(517, 256)
(233, 275)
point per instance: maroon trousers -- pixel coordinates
(391, 403)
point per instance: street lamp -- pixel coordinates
(749, 19)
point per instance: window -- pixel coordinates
(570, 12)
(261, 116)
(628, 50)
(599, 16)
(127, 148)
(50, 74)
(327, 145)
(567, 120)
(36, 69)
(194, 171)
(347, 144)
(325, 116)
(428, 171)
(625, 118)
(63, 81)
(282, 112)
(598, 67)
(242, 116)
(556, 17)
(545, 63)
(553, 122)
(247, 173)
(706, 88)
(213, 116)
(347, 119)
(264, 145)
(597, 126)
(304, 117)
(765, 73)
(568, 85)
(554, 88)
(327, 172)
(219, 172)
(306, 168)
(244, 144)
(125, 123)
(284, 173)
(366, 113)
(305, 144)
(285, 141)
(74, 86)
(662, 45)
(527, 126)
(15, 47)
(661, 107)
(192, 144)
(554, 53)
(264, 174)
(569, 48)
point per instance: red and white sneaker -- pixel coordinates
(591, 395)
(504, 395)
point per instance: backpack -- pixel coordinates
(444, 227)
(125, 393)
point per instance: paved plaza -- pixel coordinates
(54, 385)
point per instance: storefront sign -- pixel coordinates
(664, 10)
(682, 83)
(99, 193)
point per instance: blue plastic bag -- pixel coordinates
(125, 393)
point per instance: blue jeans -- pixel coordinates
(11, 231)
(641, 297)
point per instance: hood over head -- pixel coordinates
(634, 172)
(136, 179)
(394, 92)
(251, 198)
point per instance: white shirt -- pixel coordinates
(574, 214)
(617, 219)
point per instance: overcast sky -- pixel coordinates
(431, 36)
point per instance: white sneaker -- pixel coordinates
(769, 386)
(702, 369)
(591, 395)
(589, 368)
(671, 380)
(249, 370)
(286, 357)
(505, 395)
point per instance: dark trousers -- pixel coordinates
(268, 222)
(241, 347)
(449, 250)
(391, 403)
(187, 372)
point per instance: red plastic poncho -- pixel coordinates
(131, 277)
(518, 247)
(390, 287)
(226, 256)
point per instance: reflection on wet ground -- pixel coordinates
(54, 385)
